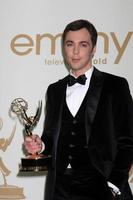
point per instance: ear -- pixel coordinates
(94, 50)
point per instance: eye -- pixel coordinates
(84, 44)
(69, 44)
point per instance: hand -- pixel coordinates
(33, 144)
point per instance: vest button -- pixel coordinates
(86, 147)
(71, 145)
(70, 157)
(74, 121)
(73, 133)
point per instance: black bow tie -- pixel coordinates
(81, 79)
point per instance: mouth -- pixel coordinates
(75, 60)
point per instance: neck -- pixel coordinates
(77, 73)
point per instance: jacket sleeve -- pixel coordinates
(47, 130)
(123, 120)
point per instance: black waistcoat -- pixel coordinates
(72, 146)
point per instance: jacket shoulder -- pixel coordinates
(116, 84)
(110, 77)
(58, 84)
(114, 80)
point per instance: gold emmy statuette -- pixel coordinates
(8, 191)
(35, 162)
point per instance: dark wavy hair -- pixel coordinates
(79, 24)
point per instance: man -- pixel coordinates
(88, 127)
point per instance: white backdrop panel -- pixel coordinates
(28, 75)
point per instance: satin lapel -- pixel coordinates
(93, 97)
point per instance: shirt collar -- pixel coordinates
(88, 73)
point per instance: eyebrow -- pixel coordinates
(68, 41)
(79, 42)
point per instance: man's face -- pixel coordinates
(78, 50)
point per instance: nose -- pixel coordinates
(76, 49)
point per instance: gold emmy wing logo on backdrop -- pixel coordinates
(24, 44)
(8, 191)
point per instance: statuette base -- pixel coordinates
(11, 192)
(35, 163)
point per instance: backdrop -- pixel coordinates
(31, 59)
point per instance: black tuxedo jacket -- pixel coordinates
(109, 127)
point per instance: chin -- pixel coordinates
(76, 67)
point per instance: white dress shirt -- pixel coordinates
(76, 93)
